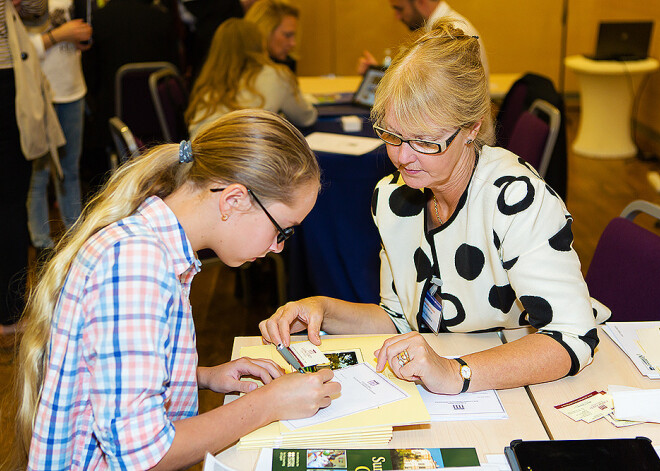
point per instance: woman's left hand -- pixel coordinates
(226, 378)
(438, 374)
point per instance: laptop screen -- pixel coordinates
(366, 92)
(623, 41)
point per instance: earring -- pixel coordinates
(469, 141)
(224, 217)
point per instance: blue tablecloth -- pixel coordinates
(335, 250)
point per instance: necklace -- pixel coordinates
(437, 211)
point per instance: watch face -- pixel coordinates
(466, 372)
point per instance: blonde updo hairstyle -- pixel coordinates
(436, 82)
(256, 148)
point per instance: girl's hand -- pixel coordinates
(296, 395)
(226, 378)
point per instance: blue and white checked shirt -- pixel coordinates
(123, 362)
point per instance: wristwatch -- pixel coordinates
(466, 373)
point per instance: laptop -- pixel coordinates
(623, 41)
(358, 102)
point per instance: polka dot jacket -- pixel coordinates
(505, 258)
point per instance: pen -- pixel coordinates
(290, 357)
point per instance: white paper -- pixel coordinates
(649, 341)
(480, 405)
(265, 461)
(212, 464)
(624, 334)
(635, 404)
(362, 388)
(342, 144)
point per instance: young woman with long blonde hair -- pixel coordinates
(108, 362)
(238, 74)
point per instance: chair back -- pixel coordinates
(133, 102)
(535, 135)
(519, 99)
(625, 268)
(170, 97)
(125, 143)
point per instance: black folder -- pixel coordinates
(614, 454)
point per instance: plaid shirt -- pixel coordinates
(122, 362)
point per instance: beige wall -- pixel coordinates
(520, 36)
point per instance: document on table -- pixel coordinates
(342, 144)
(362, 388)
(480, 405)
(625, 335)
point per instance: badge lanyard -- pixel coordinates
(432, 305)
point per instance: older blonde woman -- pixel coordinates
(238, 74)
(278, 22)
(473, 239)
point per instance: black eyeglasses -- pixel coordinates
(419, 145)
(283, 234)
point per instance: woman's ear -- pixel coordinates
(475, 130)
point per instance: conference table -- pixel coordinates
(486, 436)
(611, 366)
(531, 411)
(326, 84)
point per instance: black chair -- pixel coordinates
(518, 99)
(170, 97)
(133, 102)
(126, 145)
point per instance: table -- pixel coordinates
(610, 366)
(326, 84)
(607, 90)
(487, 436)
(335, 250)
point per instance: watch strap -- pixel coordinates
(466, 381)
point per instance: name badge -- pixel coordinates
(432, 307)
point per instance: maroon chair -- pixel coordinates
(535, 134)
(170, 97)
(625, 271)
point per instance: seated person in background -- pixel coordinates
(278, 22)
(109, 374)
(238, 74)
(472, 238)
(417, 13)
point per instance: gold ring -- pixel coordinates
(403, 358)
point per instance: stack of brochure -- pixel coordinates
(369, 406)
(639, 341)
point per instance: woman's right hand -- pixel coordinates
(297, 395)
(293, 317)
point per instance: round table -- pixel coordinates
(607, 91)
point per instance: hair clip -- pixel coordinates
(185, 152)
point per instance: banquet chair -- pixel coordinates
(625, 268)
(125, 143)
(170, 98)
(535, 135)
(133, 102)
(519, 99)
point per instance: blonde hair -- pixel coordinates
(436, 81)
(268, 15)
(256, 148)
(236, 56)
